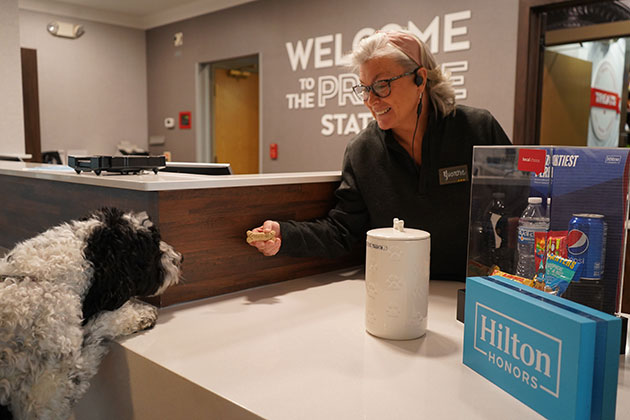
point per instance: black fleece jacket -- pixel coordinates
(380, 181)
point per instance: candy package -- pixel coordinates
(536, 283)
(540, 250)
(553, 242)
(557, 243)
(496, 271)
(560, 272)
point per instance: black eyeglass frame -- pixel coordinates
(365, 95)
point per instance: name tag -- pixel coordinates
(453, 174)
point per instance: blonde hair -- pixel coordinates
(439, 87)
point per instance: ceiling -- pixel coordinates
(142, 14)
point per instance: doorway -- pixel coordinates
(584, 91)
(228, 97)
(30, 95)
(544, 24)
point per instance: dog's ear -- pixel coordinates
(103, 214)
(126, 263)
(141, 219)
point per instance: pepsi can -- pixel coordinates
(586, 243)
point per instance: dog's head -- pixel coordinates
(128, 259)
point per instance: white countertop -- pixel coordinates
(162, 181)
(299, 350)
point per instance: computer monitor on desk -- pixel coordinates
(15, 157)
(198, 168)
(10, 158)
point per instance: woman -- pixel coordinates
(413, 162)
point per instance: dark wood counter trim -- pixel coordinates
(208, 226)
(30, 206)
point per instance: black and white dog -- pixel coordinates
(63, 295)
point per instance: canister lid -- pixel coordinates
(399, 233)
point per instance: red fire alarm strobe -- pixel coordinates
(185, 120)
(273, 151)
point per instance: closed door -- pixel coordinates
(565, 105)
(236, 120)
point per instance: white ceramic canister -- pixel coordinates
(397, 282)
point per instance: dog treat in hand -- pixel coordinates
(259, 236)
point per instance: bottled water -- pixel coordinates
(534, 219)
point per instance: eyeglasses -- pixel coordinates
(381, 88)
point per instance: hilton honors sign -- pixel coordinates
(556, 356)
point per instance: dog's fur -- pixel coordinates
(63, 295)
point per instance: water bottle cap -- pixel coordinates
(534, 200)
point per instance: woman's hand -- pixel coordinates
(272, 246)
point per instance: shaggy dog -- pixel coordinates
(63, 295)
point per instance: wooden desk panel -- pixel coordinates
(30, 206)
(208, 226)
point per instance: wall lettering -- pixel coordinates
(327, 51)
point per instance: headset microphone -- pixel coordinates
(413, 138)
(418, 81)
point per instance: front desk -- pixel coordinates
(203, 217)
(299, 350)
(285, 350)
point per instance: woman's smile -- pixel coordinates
(381, 112)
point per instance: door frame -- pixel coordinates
(203, 104)
(30, 95)
(204, 92)
(529, 51)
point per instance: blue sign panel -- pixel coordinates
(556, 356)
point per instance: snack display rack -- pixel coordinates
(570, 181)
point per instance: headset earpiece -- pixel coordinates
(418, 81)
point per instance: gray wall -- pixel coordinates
(93, 89)
(12, 114)
(265, 26)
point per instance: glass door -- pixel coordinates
(584, 94)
